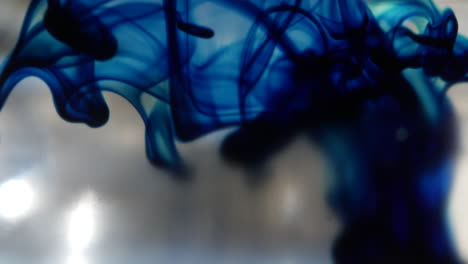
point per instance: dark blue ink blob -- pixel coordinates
(195, 30)
(366, 81)
(77, 28)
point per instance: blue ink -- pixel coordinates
(366, 81)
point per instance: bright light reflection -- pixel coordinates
(81, 225)
(77, 259)
(16, 199)
(291, 202)
(458, 211)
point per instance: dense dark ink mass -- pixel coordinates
(81, 31)
(366, 81)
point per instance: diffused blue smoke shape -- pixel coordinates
(366, 81)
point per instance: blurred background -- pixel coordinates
(71, 194)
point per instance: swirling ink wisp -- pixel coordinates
(366, 81)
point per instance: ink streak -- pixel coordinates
(195, 30)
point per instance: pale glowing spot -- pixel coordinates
(291, 204)
(81, 225)
(16, 199)
(77, 259)
(458, 210)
